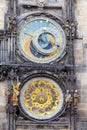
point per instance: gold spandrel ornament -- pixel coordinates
(41, 98)
(16, 89)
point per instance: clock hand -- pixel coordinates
(41, 40)
(28, 34)
(57, 45)
(46, 39)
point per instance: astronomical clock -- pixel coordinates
(41, 41)
(40, 63)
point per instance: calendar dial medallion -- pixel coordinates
(41, 98)
(41, 39)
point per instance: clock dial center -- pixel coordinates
(46, 40)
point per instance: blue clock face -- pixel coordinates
(40, 39)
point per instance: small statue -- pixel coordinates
(9, 24)
(68, 98)
(73, 30)
(76, 98)
(67, 28)
(14, 25)
(16, 89)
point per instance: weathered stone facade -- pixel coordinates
(81, 57)
(80, 48)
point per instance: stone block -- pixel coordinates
(3, 88)
(3, 9)
(2, 109)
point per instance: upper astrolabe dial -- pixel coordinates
(41, 39)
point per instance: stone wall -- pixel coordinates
(81, 56)
(3, 85)
(3, 9)
(3, 116)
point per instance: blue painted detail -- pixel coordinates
(34, 52)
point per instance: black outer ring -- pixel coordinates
(55, 78)
(46, 13)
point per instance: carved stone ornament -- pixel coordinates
(41, 3)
